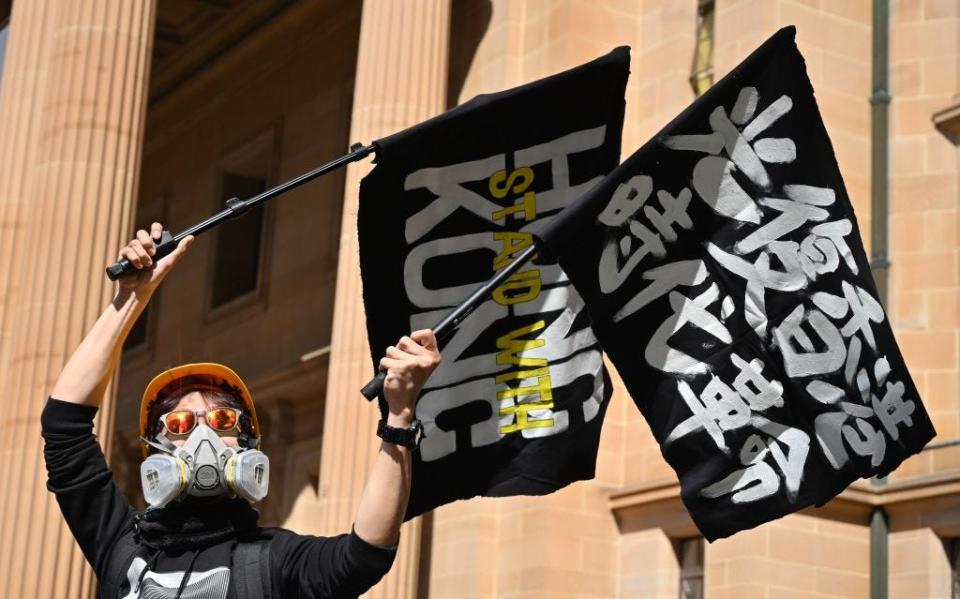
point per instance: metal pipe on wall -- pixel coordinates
(879, 538)
(879, 148)
(879, 255)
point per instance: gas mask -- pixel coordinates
(204, 466)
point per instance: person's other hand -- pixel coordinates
(409, 364)
(149, 272)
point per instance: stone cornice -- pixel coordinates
(947, 121)
(917, 502)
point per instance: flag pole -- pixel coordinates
(445, 327)
(236, 207)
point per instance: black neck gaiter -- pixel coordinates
(194, 525)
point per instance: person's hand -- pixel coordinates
(409, 364)
(149, 272)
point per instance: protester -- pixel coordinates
(203, 468)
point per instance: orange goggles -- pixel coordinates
(182, 422)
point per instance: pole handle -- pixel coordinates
(167, 244)
(374, 386)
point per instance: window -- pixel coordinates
(701, 73)
(237, 280)
(690, 554)
(236, 266)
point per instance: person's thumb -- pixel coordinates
(181, 248)
(426, 338)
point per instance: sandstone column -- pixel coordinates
(401, 80)
(72, 111)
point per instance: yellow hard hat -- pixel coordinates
(209, 375)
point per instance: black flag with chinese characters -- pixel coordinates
(725, 277)
(517, 404)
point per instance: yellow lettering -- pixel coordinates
(513, 242)
(511, 347)
(542, 389)
(521, 423)
(528, 205)
(520, 287)
(519, 375)
(501, 184)
(520, 411)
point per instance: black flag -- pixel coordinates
(517, 404)
(726, 280)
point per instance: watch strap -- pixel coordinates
(405, 437)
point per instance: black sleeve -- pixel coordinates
(92, 504)
(310, 567)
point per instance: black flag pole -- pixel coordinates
(445, 327)
(236, 207)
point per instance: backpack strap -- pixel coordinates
(251, 570)
(114, 575)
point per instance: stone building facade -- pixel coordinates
(115, 113)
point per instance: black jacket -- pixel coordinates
(101, 518)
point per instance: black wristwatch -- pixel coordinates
(405, 437)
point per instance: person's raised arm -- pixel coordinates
(384, 499)
(84, 378)
(77, 472)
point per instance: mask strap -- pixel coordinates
(161, 443)
(248, 441)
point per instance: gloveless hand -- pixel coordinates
(149, 273)
(409, 364)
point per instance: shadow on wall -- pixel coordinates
(469, 21)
